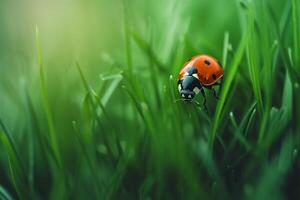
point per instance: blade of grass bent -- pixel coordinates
(99, 103)
(90, 92)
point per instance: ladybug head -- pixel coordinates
(188, 85)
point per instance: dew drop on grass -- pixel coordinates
(102, 149)
(295, 152)
(144, 106)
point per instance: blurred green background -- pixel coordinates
(89, 103)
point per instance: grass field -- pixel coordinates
(89, 102)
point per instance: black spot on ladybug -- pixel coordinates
(214, 76)
(207, 62)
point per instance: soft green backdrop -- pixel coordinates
(89, 106)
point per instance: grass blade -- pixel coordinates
(88, 160)
(17, 171)
(45, 98)
(90, 96)
(296, 32)
(4, 194)
(60, 183)
(127, 34)
(230, 74)
(238, 132)
(226, 48)
(252, 58)
(275, 173)
(148, 51)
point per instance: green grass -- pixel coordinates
(100, 117)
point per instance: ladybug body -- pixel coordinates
(200, 72)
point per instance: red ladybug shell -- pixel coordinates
(209, 71)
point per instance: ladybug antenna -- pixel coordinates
(176, 100)
(199, 105)
(196, 102)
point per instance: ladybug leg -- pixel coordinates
(215, 93)
(204, 98)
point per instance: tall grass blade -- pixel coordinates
(60, 183)
(226, 48)
(252, 58)
(46, 105)
(127, 35)
(229, 78)
(145, 46)
(296, 32)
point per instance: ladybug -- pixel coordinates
(201, 71)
